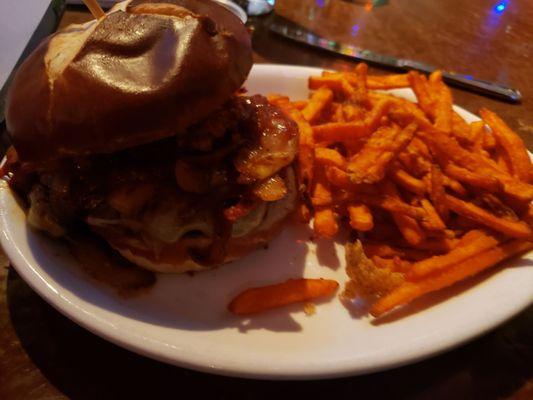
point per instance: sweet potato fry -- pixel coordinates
(410, 229)
(373, 118)
(442, 100)
(382, 82)
(471, 236)
(516, 229)
(437, 192)
(407, 181)
(498, 207)
(511, 143)
(332, 82)
(485, 182)
(306, 153)
(360, 217)
(414, 160)
(502, 161)
(300, 104)
(419, 147)
(436, 245)
(461, 130)
(338, 177)
(325, 156)
(352, 113)
(482, 242)
(321, 194)
(387, 82)
(279, 100)
(347, 89)
(260, 299)
(321, 99)
(384, 250)
(454, 185)
(489, 141)
(408, 226)
(361, 92)
(409, 291)
(337, 114)
(393, 204)
(528, 215)
(340, 131)
(433, 221)
(477, 133)
(370, 164)
(416, 114)
(325, 223)
(477, 163)
(419, 85)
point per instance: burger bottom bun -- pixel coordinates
(175, 258)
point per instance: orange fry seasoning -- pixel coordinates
(260, 299)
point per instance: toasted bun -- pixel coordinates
(146, 71)
(176, 258)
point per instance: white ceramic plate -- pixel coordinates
(183, 319)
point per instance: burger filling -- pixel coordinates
(220, 180)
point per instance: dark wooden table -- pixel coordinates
(43, 355)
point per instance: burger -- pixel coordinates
(135, 128)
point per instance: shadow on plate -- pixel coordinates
(198, 301)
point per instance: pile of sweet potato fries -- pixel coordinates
(432, 198)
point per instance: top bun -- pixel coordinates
(146, 71)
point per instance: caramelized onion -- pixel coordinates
(271, 189)
(273, 142)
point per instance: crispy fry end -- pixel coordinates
(260, 299)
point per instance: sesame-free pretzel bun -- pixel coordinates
(77, 94)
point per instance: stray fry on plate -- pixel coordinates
(259, 299)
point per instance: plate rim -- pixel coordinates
(49, 292)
